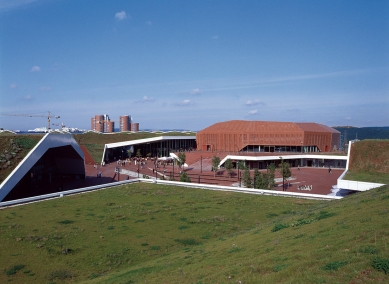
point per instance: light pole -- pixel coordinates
(238, 163)
(173, 168)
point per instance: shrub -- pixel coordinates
(187, 242)
(65, 222)
(279, 226)
(369, 249)
(26, 143)
(300, 222)
(381, 264)
(184, 177)
(61, 275)
(325, 214)
(334, 265)
(14, 269)
(235, 248)
(280, 267)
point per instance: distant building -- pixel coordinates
(268, 136)
(125, 123)
(102, 123)
(135, 127)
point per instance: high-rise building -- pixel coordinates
(135, 127)
(125, 123)
(102, 123)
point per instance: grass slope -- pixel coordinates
(159, 234)
(369, 161)
(13, 149)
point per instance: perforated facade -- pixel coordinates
(268, 136)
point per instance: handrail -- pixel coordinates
(172, 183)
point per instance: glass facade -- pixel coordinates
(272, 149)
(153, 149)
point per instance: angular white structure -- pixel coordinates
(55, 157)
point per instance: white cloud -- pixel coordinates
(44, 88)
(11, 4)
(13, 86)
(184, 103)
(215, 37)
(121, 15)
(252, 112)
(149, 23)
(27, 98)
(146, 99)
(254, 102)
(195, 92)
(35, 69)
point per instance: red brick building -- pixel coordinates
(102, 123)
(268, 136)
(125, 123)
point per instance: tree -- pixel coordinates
(247, 177)
(181, 159)
(240, 166)
(260, 180)
(284, 169)
(257, 176)
(215, 164)
(228, 165)
(138, 153)
(184, 177)
(270, 175)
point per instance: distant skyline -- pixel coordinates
(189, 64)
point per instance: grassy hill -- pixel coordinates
(13, 148)
(149, 233)
(369, 161)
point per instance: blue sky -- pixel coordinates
(189, 64)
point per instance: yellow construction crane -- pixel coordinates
(37, 115)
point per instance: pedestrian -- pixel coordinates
(329, 170)
(298, 167)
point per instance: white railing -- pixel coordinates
(172, 183)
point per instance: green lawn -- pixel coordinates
(367, 177)
(159, 234)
